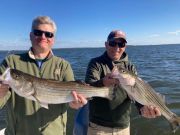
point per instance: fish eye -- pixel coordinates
(16, 76)
(123, 71)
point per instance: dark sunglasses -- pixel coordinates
(39, 33)
(120, 44)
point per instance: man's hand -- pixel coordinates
(109, 81)
(3, 89)
(150, 112)
(79, 100)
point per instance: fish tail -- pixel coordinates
(175, 123)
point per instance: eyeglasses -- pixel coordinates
(114, 43)
(39, 33)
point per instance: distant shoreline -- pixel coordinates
(4, 50)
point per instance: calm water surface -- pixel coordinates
(158, 65)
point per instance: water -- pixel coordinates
(158, 65)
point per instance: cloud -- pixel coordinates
(174, 32)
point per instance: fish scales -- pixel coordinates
(54, 90)
(143, 93)
(149, 93)
(152, 95)
(46, 91)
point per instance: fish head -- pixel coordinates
(124, 76)
(22, 83)
(11, 78)
(17, 79)
(9, 75)
(16, 75)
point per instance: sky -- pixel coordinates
(87, 23)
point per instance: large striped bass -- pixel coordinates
(143, 93)
(47, 91)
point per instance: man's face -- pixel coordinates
(42, 38)
(115, 49)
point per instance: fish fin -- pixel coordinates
(162, 97)
(175, 123)
(44, 105)
(132, 89)
(131, 97)
(31, 93)
(111, 94)
(41, 104)
(81, 82)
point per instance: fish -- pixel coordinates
(48, 91)
(141, 92)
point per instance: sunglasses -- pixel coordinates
(114, 44)
(39, 33)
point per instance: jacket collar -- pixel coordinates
(31, 54)
(110, 63)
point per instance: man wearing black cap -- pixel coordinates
(112, 117)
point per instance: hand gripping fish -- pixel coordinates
(47, 91)
(143, 93)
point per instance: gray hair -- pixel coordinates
(43, 20)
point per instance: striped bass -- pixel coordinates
(142, 92)
(46, 91)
